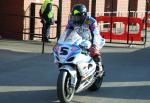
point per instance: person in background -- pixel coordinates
(47, 17)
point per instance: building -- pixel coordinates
(15, 21)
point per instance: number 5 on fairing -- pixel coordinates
(64, 50)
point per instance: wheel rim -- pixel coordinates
(68, 90)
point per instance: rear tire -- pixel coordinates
(98, 82)
(64, 93)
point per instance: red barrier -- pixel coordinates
(124, 34)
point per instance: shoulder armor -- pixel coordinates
(90, 20)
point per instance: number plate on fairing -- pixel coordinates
(66, 51)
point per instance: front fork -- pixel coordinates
(72, 72)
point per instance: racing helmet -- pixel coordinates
(78, 14)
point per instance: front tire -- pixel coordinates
(64, 92)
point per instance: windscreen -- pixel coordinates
(71, 37)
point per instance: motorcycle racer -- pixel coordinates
(82, 22)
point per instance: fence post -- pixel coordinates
(59, 19)
(111, 21)
(146, 16)
(32, 21)
(128, 21)
(93, 13)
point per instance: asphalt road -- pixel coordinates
(27, 76)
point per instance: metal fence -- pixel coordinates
(32, 23)
(132, 28)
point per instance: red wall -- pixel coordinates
(11, 22)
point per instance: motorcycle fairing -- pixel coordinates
(64, 52)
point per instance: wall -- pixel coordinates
(11, 20)
(100, 7)
(141, 8)
(122, 7)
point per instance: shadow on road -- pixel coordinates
(48, 96)
(27, 77)
(127, 67)
(23, 69)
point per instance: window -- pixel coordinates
(133, 4)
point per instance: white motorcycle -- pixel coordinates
(77, 69)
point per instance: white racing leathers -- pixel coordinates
(88, 31)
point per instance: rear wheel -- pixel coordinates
(64, 91)
(98, 82)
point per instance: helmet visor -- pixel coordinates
(77, 19)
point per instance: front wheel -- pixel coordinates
(64, 91)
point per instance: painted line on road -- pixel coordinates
(41, 88)
(126, 84)
(25, 88)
